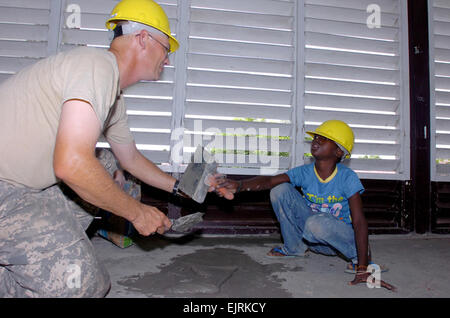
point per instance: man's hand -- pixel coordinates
(150, 220)
(361, 277)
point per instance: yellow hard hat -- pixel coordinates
(142, 11)
(339, 132)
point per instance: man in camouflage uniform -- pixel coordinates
(51, 116)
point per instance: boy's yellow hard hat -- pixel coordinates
(338, 131)
(143, 11)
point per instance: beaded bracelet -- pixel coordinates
(239, 187)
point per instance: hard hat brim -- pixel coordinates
(173, 42)
(313, 133)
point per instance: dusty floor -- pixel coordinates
(236, 267)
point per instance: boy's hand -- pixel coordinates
(222, 186)
(362, 277)
(119, 178)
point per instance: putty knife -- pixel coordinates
(185, 223)
(192, 182)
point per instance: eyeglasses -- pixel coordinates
(165, 47)
(320, 139)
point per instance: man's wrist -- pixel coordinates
(135, 211)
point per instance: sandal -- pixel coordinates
(351, 268)
(281, 254)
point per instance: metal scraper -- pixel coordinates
(192, 182)
(185, 224)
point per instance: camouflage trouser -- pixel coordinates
(44, 250)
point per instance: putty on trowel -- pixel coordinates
(185, 224)
(193, 182)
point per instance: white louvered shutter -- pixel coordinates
(149, 104)
(359, 75)
(251, 77)
(24, 29)
(239, 86)
(439, 43)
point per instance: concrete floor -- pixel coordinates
(236, 267)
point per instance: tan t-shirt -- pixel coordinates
(31, 103)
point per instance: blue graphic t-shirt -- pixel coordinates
(331, 195)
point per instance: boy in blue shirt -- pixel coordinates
(328, 217)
